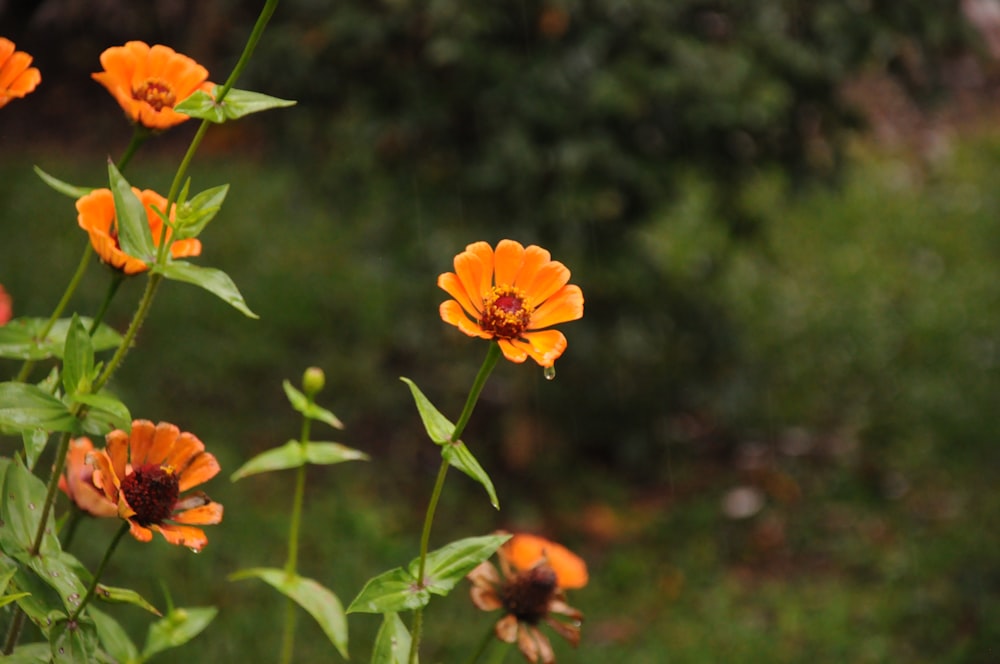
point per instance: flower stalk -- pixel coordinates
(100, 570)
(288, 634)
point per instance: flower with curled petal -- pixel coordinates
(512, 295)
(145, 472)
(17, 77)
(77, 481)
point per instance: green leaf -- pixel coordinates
(438, 427)
(24, 407)
(448, 565)
(194, 215)
(236, 104)
(59, 571)
(78, 358)
(21, 338)
(319, 602)
(105, 413)
(8, 568)
(134, 233)
(73, 642)
(70, 190)
(30, 653)
(392, 643)
(177, 628)
(459, 456)
(214, 281)
(20, 511)
(324, 454)
(113, 636)
(395, 590)
(292, 455)
(34, 444)
(302, 404)
(125, 596)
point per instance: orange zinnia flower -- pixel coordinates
(144, 474)
(512, 295)
(16, 77)
(535, 573)
(78, 481)
(6, 306)
(149, 81)
(97, 217)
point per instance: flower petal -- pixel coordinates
(141, 533)
(205, 515)
(543, 649)
(199, 469)
(140, 442)
(569, 631)
(485, 599)
(451, 312)
(181, 535)
(550, 277)
(506, 628)
(564, 305)
(508, 259)
(469, 269)
(116, 446)
(183, 451)
(524, 551)
(485, 253)
(451, 284)
(514, 353)
(534, 258)
(544, 346)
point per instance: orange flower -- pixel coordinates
(535, 573)
(512, 295)
(16, 77)
(144, 474)
(77, 481)
(96, 215)
(6, 306)
(149, 81)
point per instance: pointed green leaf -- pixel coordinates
(78, 358)
(21, 338)
(177, 628)
(105, 413)
(34, 444)
(20, 511)
(194, 215)
(125, 596)
(113, 636)
(214, 281)
(65, 188)
(438, 427)
(134, 233)
(392, 643)
(236, 104)
(7, 599)
(395, 590)
(73, 642)
(289, 455)
(459, 456)
(318, 602)
(302, 404)
(25, 407)
(324, 454)
(59, 570)
(448, 565)
(8, 568)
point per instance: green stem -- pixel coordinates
(500, 650)
(14, 632)
(73, 521)
(100, 570)
(139, 136)
(291, 565)
(50, 493)
(133, 329)
(483, 645)
(490, 361)
(117, 278)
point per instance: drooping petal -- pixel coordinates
(508, 259)
(485, 599)
(451, 312)
(141, 533)
(569, 631)
(506, 629)
(527, 643)
(205, 515)
(544, 346)
(200, 469)
(559, 605)
(512, 352)
(104, 476)
(451, 284)
(565, 305)
(182, 535)
(543, 649)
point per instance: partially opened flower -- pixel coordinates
(96, 215)
(512, 295)
(77, 481)
(148, 81)
(6, 306)
(17, 78)
(144, 473)
(530, 591)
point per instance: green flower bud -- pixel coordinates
(313, 380)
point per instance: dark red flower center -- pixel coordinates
(506, 312)
(151, 491)
(156, 93)
(527, 594)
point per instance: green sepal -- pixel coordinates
(113, 636)
(318, 601)
(214, 281)
(458, 455)
(308, 408)
(193, 215)
(439, 427)
(125, 596)
(293, 454)
(236, 104)
(20, 339)
(104, 413)
(73, 191)
(78, 358)
(177, 628)
(134, 233)
(392, 643)
(448, 565)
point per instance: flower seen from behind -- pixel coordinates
(77, 481)
(144, 473)
(148, 81)
(96, 215)
(513, 295)
(535, 572)
(17, 77)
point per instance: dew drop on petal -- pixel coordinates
(550, 372)
(194, 550)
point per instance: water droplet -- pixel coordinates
(31, 506)
(550, 372)
(194, 550)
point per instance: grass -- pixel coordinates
(858, 399)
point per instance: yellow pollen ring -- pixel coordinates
(506, 312)
(157, 93)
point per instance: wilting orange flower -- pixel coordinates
(96, 215)
(535, 573)
(6, 306)
(144, 474)
(77, 481)
(512, 295)
(16, 77)
(149, 81)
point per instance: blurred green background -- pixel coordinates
(771, 435)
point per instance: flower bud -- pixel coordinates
(313, 380)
